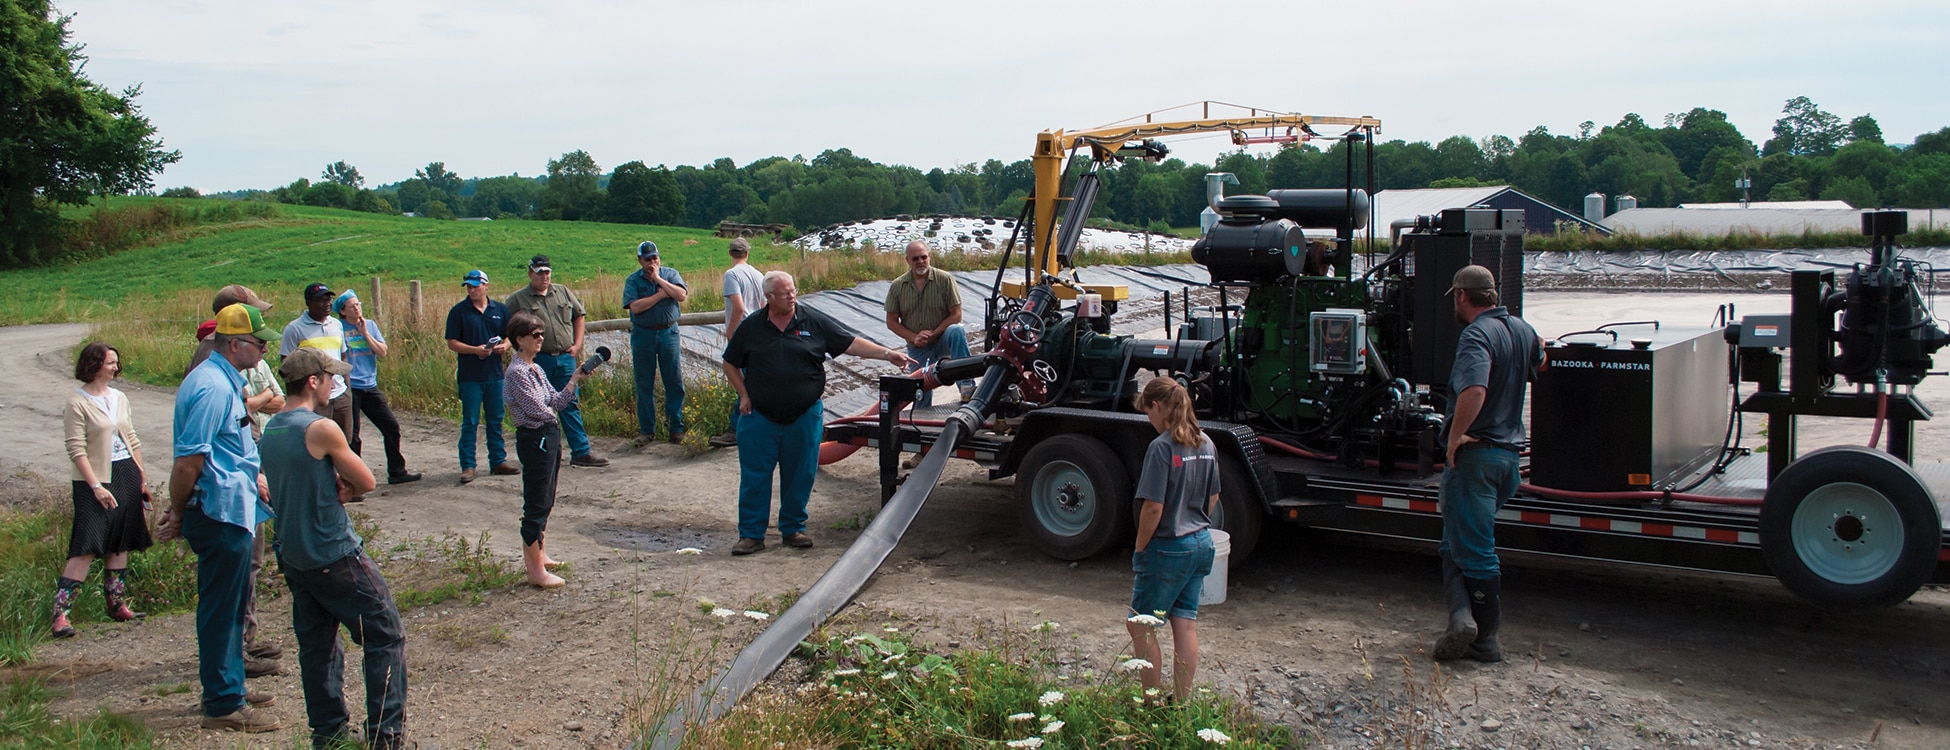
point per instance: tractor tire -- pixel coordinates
(1850, 528)
(1074, 497)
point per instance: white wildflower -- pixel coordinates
(1153, 692)
(1046, 626)
(855, 639)
(1053, 727)
(706, 603)
(1028, 742)
(1213, 736)
(722, 612)
(891, 629)
(1024, 716)
(891, 658)
(848, 672)
(757, 615)
(1146, 620)
(1134, 665)
(1050, 698)
(888, 676)
(690, 551)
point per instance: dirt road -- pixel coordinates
(1325, 636)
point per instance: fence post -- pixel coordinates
(413, 301)
(373, 304)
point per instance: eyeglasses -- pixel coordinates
(537, 334)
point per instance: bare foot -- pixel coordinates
(546, 581)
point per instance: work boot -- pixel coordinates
(255, 667)
(798, 539)
(65, 589)
(246, 719)
(506, 469)
(264, 650)
(466, 475)
(1485, 604)
(1462, 623)
(747, 545)
(259, 698)
(727, 440)
(589, 460)
(403, 477)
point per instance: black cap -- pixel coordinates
(318, 290)
(539, 263)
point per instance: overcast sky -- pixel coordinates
(256, 94)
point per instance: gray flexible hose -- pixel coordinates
(832, 591)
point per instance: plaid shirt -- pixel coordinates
(532, 402)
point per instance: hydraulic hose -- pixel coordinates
(837, 586)
(833, 451)
(1882, 413)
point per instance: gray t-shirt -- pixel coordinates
(748, 284)
(1499, 352)
(1184, 479)
(312, 528)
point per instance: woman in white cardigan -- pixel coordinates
(110, 488)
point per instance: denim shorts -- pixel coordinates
(1170, 574)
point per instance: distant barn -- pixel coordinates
(1539, 216)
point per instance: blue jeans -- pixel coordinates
(481, 402)
(559, 367)
(223, 576)
(351, 593)
(651, 353)
(952, 344)
(1170, 575)
(1473, 490)
(791, 448)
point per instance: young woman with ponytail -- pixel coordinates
(1177, 489)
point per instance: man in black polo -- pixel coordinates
(474, 334)
(779, 425)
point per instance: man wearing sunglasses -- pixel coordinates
(924, 309)
(215, 492)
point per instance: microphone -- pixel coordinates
(602, 358)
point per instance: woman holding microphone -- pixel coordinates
(532, 403)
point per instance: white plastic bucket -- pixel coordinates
(1214, 591)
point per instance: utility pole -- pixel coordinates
(1744, 184)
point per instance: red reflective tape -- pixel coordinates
(1531, 516)
(1722, 535)
(1596, 524)
(1943, 555)
(1372, 501)
(1423, 506)
(968, 453)
(1657, 529)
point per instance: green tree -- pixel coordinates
(370, 202)
(498, 197)
(641, 195)
(1937, 142)
(1921, 182)
(344, 174)
(181, 192)
(1805, 129)
(437, 210)
(1864, 129)
(329, 195)
(572, 193)
(438, 178)
(1856, 190)
(63, 138)
(1698, 133)
(1246, 167)
(1458, 157)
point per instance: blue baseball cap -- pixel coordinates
(646, 250)
(475, 277)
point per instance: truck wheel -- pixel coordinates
(1240, 512)
(1074, 497)
(1849, 528)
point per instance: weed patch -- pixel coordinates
(429, 571)
(26, 722)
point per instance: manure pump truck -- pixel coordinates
(1324, 382)
(1324, 390)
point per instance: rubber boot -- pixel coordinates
(1485, 603)
(65, 590)
(1462, 623)
(115, 595)
(538, 576)
(548, 563)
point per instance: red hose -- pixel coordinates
(833, 451)
(1640, 495)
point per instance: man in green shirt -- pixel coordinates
(924, 309)
(562, 337)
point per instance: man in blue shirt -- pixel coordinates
(474, 329)
(652, 295)
(214, 491)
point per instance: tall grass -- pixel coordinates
(26, 723)
(112, 226)
(34, 546)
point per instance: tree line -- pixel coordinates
(1695, 156)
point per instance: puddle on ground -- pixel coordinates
(654, 539)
